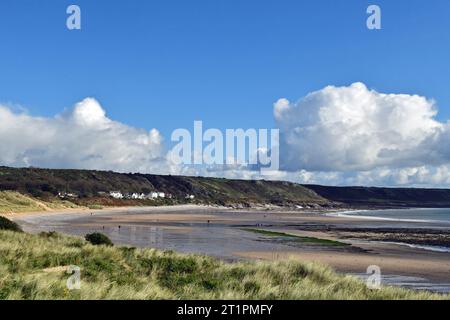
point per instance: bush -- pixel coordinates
(49, 234)
(6, 224)
(95, 207)
(98, 239)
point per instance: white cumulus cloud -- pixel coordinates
(82, 137)
(352, 128)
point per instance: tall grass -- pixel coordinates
(15, 202)
(32, 267)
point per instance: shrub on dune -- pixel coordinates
(98, 239)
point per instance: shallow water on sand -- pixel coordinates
(416, 283)
(220, 240)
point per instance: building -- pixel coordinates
(65, 195)
(153, 195)
(116, 194)
(139, 196)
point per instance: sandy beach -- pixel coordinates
(224, 233)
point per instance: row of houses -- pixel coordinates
(65, 195)
(140, 196)
(135, 196)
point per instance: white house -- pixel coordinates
(64, 195)
(156, 195)
(153, 195)
(116, 194)
(137, 196)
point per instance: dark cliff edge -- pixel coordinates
(372, 197)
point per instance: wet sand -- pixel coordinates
(220, 232)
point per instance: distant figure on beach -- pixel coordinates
(209, 222)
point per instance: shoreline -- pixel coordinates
(346, 214)
(109, 210)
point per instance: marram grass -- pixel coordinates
(33, 267)
(15, 202)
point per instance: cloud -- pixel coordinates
(347, 129)
(82, 137)
(424, 176)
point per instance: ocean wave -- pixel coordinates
(356, 215)
(417, 246)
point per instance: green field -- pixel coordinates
(34, 267)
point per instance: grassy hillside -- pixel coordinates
(45, 184)
(224, 191)
(34, 267)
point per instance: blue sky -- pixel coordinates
(165, 64)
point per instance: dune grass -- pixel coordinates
(11, 201)
(15, 202)
(34, 267)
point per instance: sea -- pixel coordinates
(423, 217)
